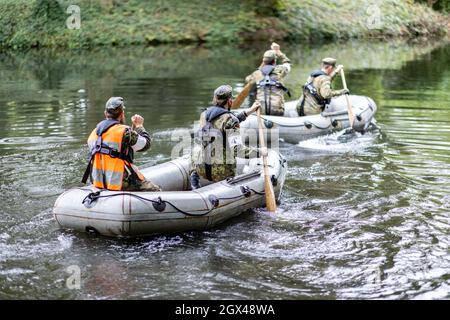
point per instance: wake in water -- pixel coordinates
(341, 141)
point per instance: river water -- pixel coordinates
(362, 217)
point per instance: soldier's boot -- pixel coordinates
(195, 180)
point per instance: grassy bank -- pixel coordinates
(42, 23)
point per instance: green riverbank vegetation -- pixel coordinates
(91, 23)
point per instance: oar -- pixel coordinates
(351, 116)
(268, 187)
(242, 95)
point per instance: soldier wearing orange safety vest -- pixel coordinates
(112, 145)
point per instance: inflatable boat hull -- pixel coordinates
(131, 214)
(293, 129)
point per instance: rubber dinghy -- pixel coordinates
(293, 129)
(176, 209)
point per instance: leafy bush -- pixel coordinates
(42, 23)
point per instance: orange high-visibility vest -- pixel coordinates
(108, 163)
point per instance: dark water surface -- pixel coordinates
(362, 217)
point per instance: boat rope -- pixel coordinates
(160, 204)
(304, 124)
(246, 193)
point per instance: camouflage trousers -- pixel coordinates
(138, 185)
(310, 107)
(275, 101)
(219, 172)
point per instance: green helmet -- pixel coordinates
(114, 106)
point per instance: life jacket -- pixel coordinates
(309, 88)
(208, 134)
(267, 82)
(107, 161)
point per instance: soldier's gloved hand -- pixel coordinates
(137, 121)
(345, 91)
(339, 67)
(255, 106)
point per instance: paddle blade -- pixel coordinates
(351, 116)
(242, 95)
(271, 204)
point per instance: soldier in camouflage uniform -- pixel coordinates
(135, 139)
(317, 92)
(269, 88)
(218, 142)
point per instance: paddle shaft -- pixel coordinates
(268, 187)
(242, 95)
(351, 116)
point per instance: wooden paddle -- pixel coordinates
(268, 187)
(351, 116)
(242, 95)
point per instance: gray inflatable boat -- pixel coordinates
(176, 209)
(293, 129)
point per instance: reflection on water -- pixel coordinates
(362, 216)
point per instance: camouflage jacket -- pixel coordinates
(130, 138)
(224, 150)
(322, 84)
(272, 101)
